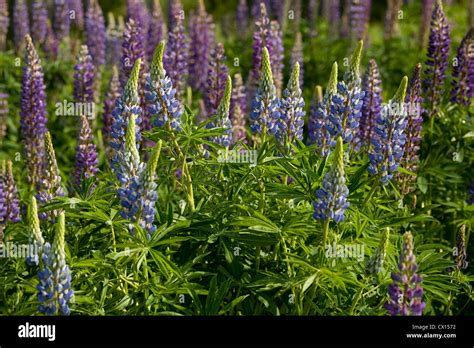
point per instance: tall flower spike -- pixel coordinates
(371, 104)
(410, 158)
(242, 18)
(332, 196)
(437, 59)
(4, 22)
(21, 23)
(163, 107)
(126, 106)
(95, 33)
(35, 235)
(462, 89)
(320, 112)
(176, 55)
(113, 41)
(359, 16)
(289, 126)
(86, 154)
(460, 256)
(156, 30)
(54, 288)
(202, 40)
(111, 97)
(406, 294)
(3, 115)
(347, 103)
(222, 120)
(132, 49)
(39, 18)
(334, 16)
(175, 8)
(297, 55)
(375, 264)
(61, 20)
(84, 77)
(216, 79)
(265, 105)
(76, 7)
(9, 199)
(275, 47)
(260, 41)
(387, 145)
(50, 185)
(33, 112)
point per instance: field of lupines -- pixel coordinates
(282, 157)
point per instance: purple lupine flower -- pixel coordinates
(297, 56)
(176, 55)
(164, 108)
(332, 196)
(86, 154)
(201, 34)
(437, 62)
(391, 18)
(406, 294)
(238, 109)
(289, 125)
(175, 8)
(126, 106)
(113, 45)
(426, 12)
(462, 89)
(359, 16)
(51, 43)
(61, 19)
(78, 10)
(347, 102)
(222, 117)
(49, 186)
(216, 79)
(95, 33)
(9, 198)
(111, 97)
(21, 23)
(156, 30)
(4, 22)
(84, 77)
(460, 255)
(371, 105)
(410, 158)
(33, 112)
(3, 115)
(388, 141)
(54, 288)
(277, 54)
(39, 19)
(318, 125)
(265, 105)
(132, 49)
(277, 9)
(137, 10)
(256, 10)
(260, 40)
(242, 18)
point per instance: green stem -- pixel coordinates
(325, 231)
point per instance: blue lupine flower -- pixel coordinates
(54, 288)
(289, 125)
(387, 143)
(332, 196)
(265, 105)
(222, 117)
(163, 106)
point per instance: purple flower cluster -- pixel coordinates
(162, 105)
(242, 17)
(132, 49)
(332, 196)
(86, 154)
(39, 19)
(156, 29)
(437, 58)
(111, 97)
(388, 141)
(222, 117)
(76, 7)
(114, 34)
(4, 22)
(3, 115)
(61, 20)
(201, 34)
(359, 16)
(95, 33)
(176, 55)
(21, 23)
(137, 10)
(51, 43)
(462, 89)
(33, 112)
(54, 288)
(289, 125)
(175, 8)
(9, 199)
(265, 105)
(371, 105)
(406, 294)
(216, 79)
(84, 77)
